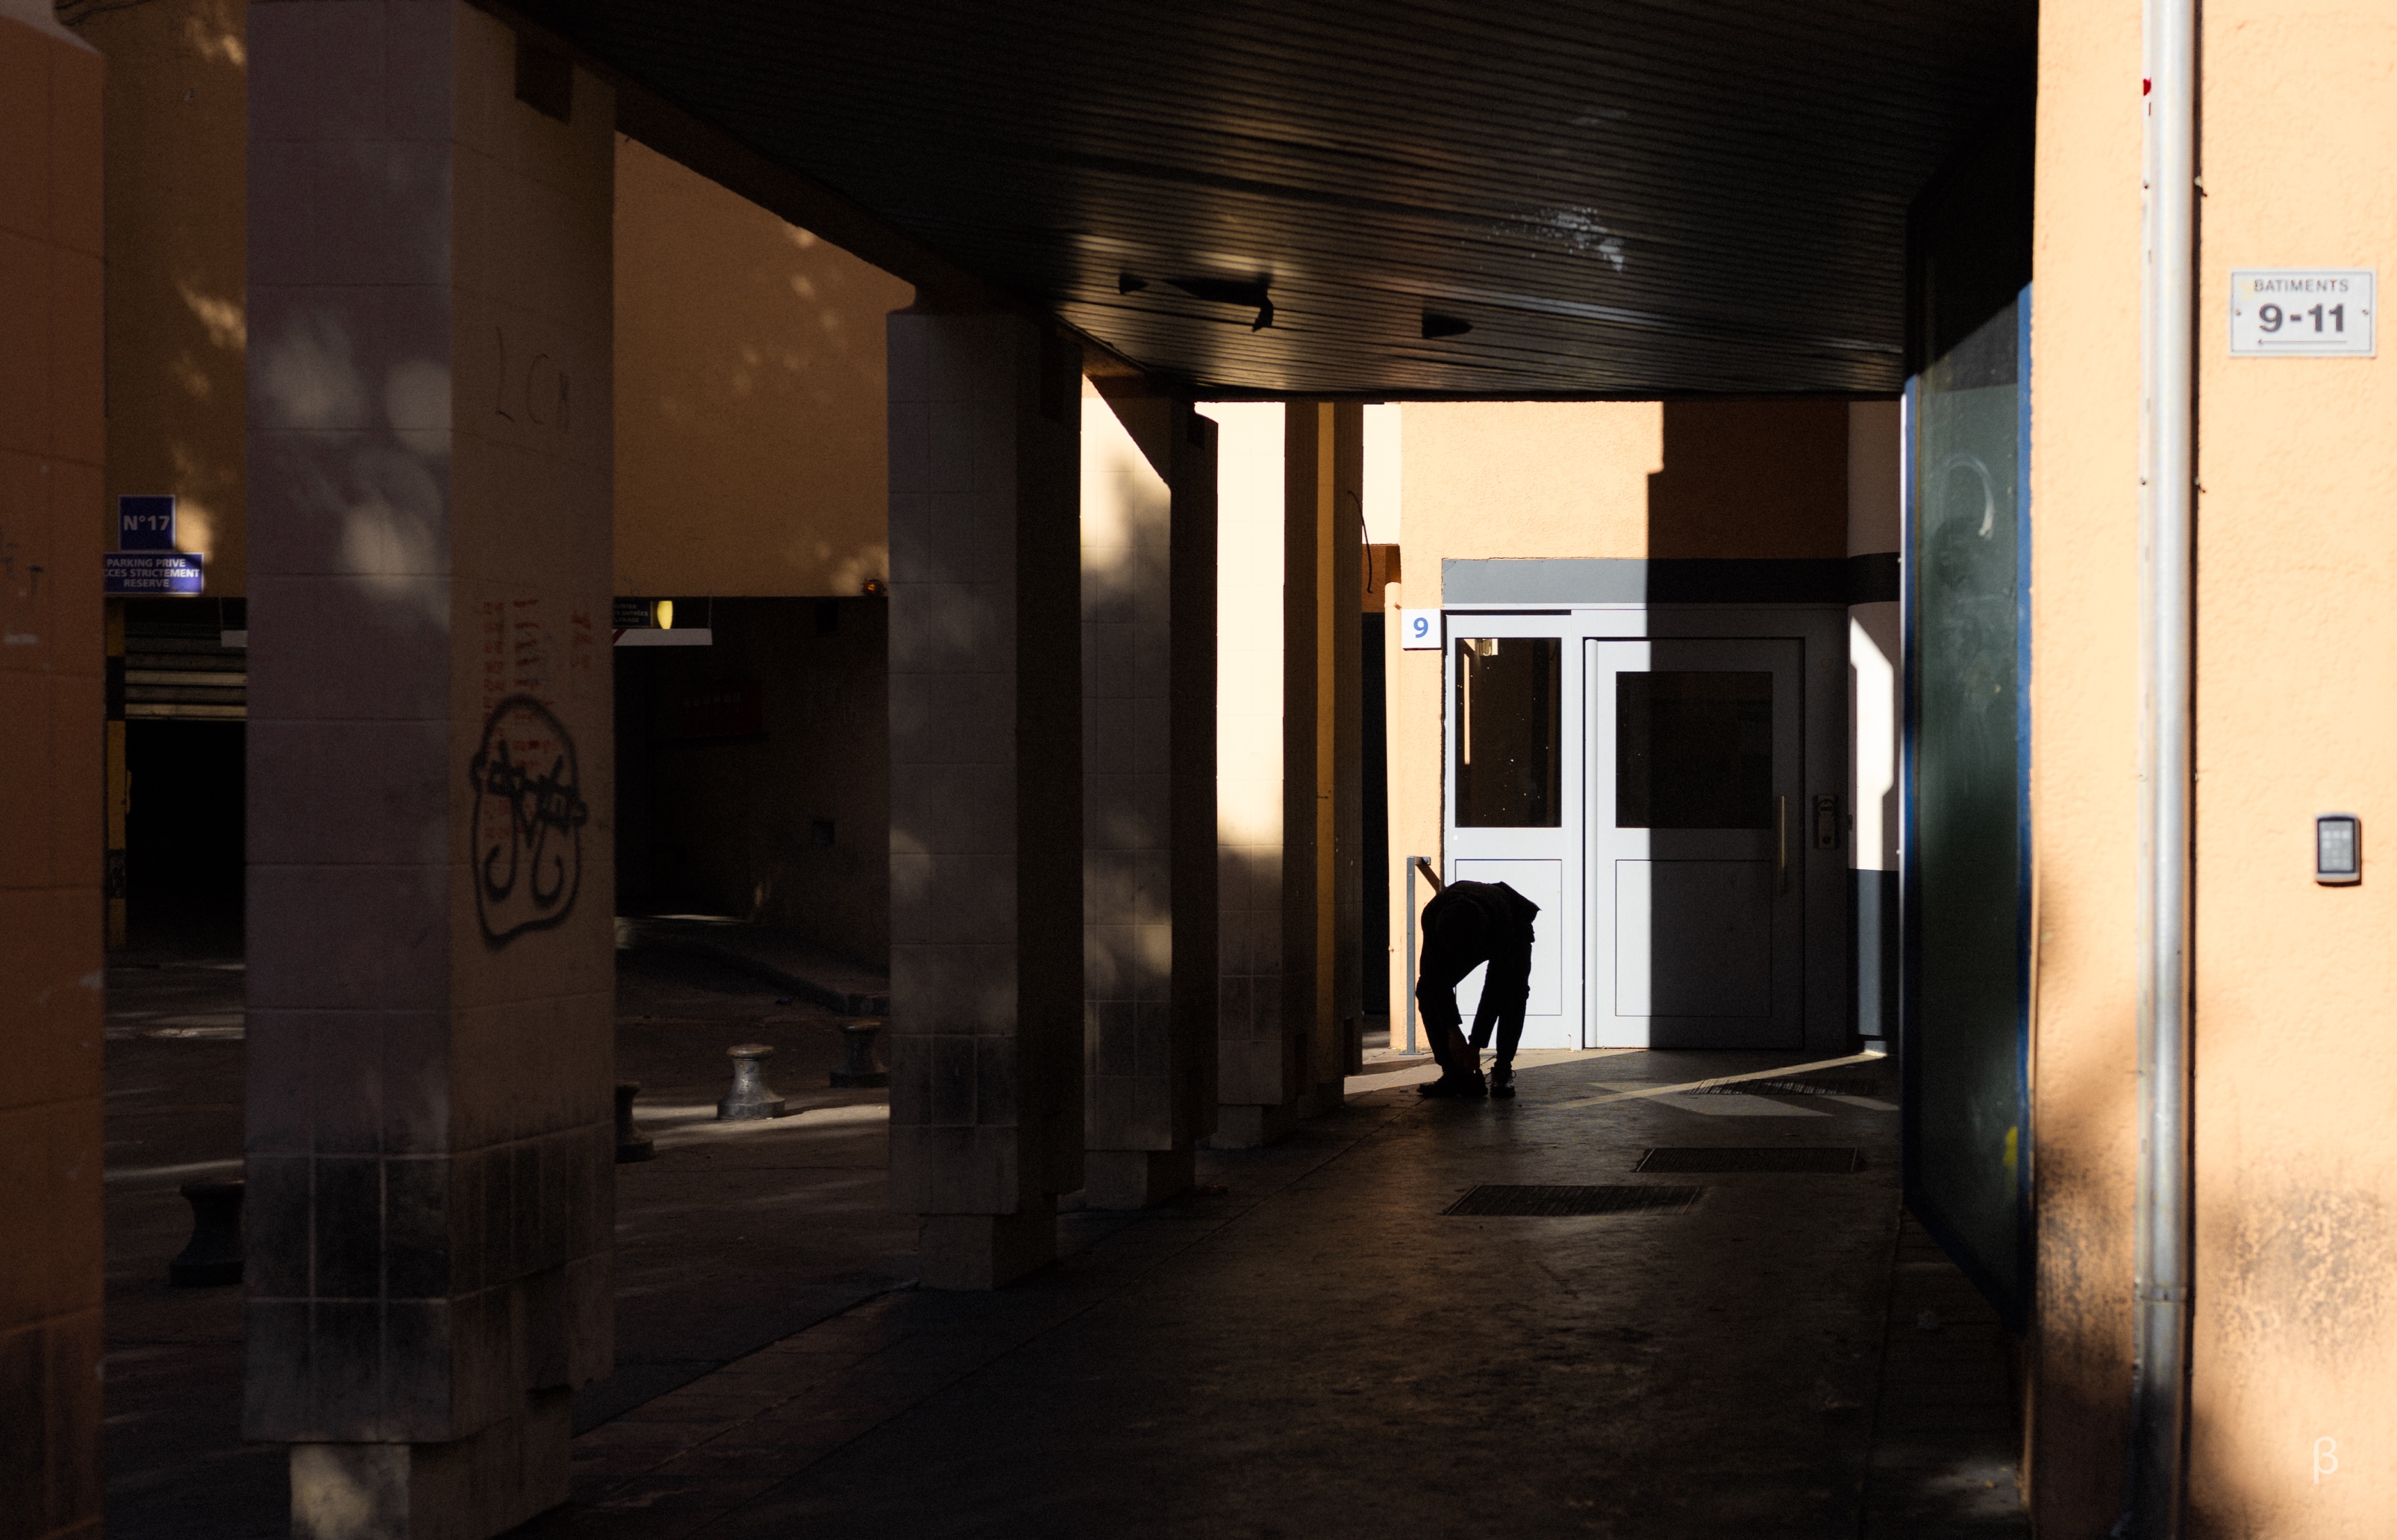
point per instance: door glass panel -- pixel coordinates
(1693, 750)
(1509, 738)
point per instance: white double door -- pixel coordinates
(1646, 793)
(1694, 844)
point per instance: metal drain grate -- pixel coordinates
(1812, 1085)
(1567, 1203)
(1821, 1159)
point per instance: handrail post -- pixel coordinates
(1410, 956)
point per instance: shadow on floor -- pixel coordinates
(1319, 1350)
(1315, 1347)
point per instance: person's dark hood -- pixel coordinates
(1520, 907)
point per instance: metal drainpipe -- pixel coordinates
(2158, 1439)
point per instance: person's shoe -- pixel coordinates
(1501, 1084)
(1451, 1085)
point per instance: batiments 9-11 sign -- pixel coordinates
(2304, 311)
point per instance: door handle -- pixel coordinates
(1781, 844)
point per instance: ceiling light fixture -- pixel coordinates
(1232, 291)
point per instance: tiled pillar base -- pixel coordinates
(485, 1484)
(986, 1250)
(1136, 1179)
(1246, 1126)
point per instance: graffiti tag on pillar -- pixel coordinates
(528, 822)
(538, 392)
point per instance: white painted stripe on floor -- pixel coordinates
(698, 1124)
(1783, 1072)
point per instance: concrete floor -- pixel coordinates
(1311, 1348)
(172, 1406)
(725, 1244)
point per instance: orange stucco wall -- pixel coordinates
(2295, 1337)
(2295, 1325)
(177, 328)
(2084, 349)
(1636, 478)
(51, 446)
(750, 404)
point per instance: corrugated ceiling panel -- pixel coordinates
(1622, 198)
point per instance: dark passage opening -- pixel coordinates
(184, 697)
(184, 837)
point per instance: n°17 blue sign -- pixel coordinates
(146, 522)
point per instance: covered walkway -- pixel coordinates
(1089, 973)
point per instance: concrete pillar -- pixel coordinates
(1148, 815)
(1293, 893)
(1344, 609)
(431, 954)
(52, 442)
(1262, 1068)
(986, 1101)
(1323, 466)
(1873, 627)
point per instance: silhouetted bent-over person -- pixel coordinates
(1466, 925)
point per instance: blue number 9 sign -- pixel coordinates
(1419, 629)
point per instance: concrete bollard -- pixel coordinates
(630, 1143)
(857, 1065)
(749, 1097)
(214, 1256)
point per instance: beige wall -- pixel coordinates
(178, 93)
(2296, 1320)
(2296, 1327)
(1638, 478)
(2084, 702)
(750, 404)
(51, 446)
(1609, 479)
(1875, 516)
